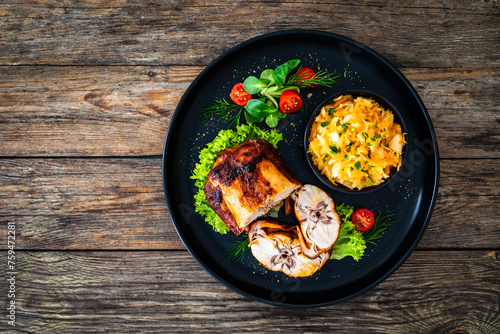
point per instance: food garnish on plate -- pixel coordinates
(270, 97)
(355, 142)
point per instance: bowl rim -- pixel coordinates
(354, 92)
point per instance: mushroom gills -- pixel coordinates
(277, 247)
(319, 221)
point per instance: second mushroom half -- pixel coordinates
(319, 221)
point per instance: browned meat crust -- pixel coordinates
(246, 181)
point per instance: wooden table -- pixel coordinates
(87, 90)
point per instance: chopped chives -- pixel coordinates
(335, 149)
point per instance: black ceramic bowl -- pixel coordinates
(355, 93)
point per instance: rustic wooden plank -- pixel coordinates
(455, 214)
(453, 99)
(88, 110)
(426, 34)
(125, 110)
(168, 292)
(78, 204)
(469, 177)
(118, 203)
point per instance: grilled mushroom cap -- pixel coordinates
(319, 221)
(277, 247)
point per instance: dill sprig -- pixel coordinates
(238, 248)
(225, 111)
(382, 221)
(320, 78)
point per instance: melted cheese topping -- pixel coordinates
(355, 142)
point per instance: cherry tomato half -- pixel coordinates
(239, 95)
(363, 219)
(290, 101)
(304, 76)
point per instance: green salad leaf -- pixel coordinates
(259, 109)
(266, 91)
(280, 73)
(345, 211)
(252, 85)
(207, 157)
(351, 241)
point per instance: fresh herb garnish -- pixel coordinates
(370, 180)
(321, 78)
(349, 146)
(335, 149)
(238, 248)
(325, 123)
(345, 126)
(265, 105)
(225, 111)
(382, 221)
(350, 241)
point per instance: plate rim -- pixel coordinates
(428, 213)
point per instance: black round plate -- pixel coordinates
(412, 195)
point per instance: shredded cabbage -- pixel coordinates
(355, 142)
(208, 155)
(351, 241)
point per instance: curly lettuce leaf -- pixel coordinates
(207, 157)
(345, 211)
(351, 241)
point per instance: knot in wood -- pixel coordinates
(459, 331)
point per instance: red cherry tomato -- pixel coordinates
(363, 219)
(239, 95)
(304, 76)
(290, 101)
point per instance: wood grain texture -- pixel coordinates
(168, 292)
(87, 203)
(126, 110)
(454, 34)
(87, 91)
(87, 110)
(118, 203)
(464, 109)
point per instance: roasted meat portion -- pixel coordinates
(246, 182)
(277, 247)
(319, 221)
